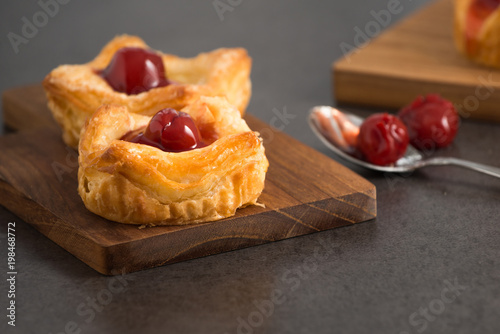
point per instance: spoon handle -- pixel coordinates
(490, 170)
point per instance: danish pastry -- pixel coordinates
(134, 183)
(75, 92)
(477, 30)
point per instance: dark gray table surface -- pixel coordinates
(429, 263)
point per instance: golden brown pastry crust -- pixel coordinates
(139, 184)
(75, 92)
(486, 48)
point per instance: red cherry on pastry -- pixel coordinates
(158, 122)
(382, 139)
(181, 134)
(170, 130)
(431, 120)
(134, 70)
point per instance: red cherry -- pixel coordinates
(430, 120)
(158, 122)
(181, 134)
(382, 139)
(169, 130)
(134, 70)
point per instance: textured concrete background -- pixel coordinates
(428, 264)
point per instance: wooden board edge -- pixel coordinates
(117, 259)
(126, 265)
(374, 91)
(51, 226)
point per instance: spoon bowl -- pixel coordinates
(328, 125)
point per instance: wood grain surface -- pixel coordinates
(305, 192)
(417, 56)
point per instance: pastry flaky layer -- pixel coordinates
(75, 92)
(483, 47)
(139, 184)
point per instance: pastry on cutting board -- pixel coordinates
(127, 72)
(175, 168)
(477, 30)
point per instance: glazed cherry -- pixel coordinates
(179, 132)
(134, 70)
(479, 11)
(382, 139)
(170, 130)
(157, 124)
(432, 121)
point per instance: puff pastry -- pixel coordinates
(477, 36)
(139, 184)
(75, 92)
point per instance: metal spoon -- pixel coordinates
(335, 139)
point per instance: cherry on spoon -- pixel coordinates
(335, 139)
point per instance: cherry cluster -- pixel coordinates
(428, 122)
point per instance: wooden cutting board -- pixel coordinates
(305, 192)
(417, 56)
